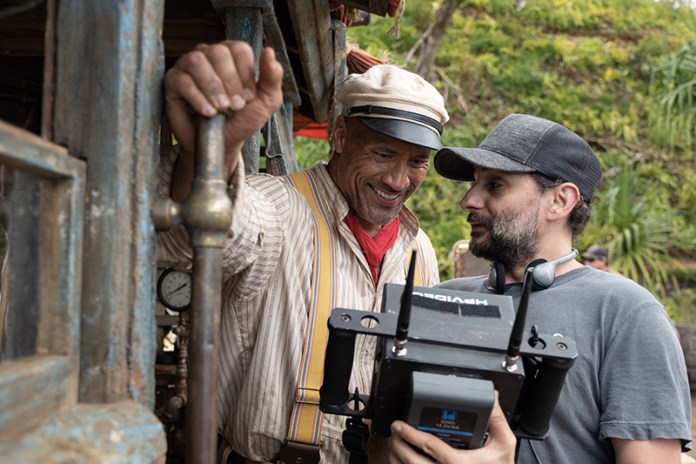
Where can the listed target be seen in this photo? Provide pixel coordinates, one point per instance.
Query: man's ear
(565, 197)
(340, 132)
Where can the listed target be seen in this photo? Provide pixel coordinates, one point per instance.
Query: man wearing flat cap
(626, 398)
(301, 245)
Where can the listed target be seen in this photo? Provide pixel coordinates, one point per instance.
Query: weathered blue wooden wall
(107, 113)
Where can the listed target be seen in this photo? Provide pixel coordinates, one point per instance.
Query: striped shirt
(267, 266)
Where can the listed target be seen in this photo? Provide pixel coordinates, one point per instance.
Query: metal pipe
(201, 416)
(207, 214)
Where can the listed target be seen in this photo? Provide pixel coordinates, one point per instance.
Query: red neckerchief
(374, 247)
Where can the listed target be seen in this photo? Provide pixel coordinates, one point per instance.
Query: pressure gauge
(174, 289)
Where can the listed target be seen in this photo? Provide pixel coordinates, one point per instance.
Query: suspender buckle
(293, 452)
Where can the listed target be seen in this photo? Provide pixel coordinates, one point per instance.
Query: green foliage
(618, 72)
(686, 194)
(680, 305)
(637, 233)
(310, 151)
(642, 228)
(435, 204)
(674, 86)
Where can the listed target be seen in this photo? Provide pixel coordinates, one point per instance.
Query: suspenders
(306, 419)
(304, 431)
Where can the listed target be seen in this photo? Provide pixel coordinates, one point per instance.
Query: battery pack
(455, 409)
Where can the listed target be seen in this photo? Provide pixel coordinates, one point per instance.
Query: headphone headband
(543, 272)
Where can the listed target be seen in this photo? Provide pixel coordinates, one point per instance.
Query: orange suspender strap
(418, 275)
(306, 418)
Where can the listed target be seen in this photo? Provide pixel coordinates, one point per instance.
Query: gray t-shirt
(629, 380)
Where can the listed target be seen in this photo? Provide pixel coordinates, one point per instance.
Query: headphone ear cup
(544, 272)
(496, 278)
(537, 283)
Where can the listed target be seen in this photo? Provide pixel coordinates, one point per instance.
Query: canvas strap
(306, 418)
(418, 276)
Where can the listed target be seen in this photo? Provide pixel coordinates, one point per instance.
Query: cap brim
(404, 130)
(459, 163)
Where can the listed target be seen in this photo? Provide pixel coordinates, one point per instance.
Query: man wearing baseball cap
(301, 245)
(596, 256)
(626, 398)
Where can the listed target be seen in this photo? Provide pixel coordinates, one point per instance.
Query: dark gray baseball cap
(525, 143)
(595, 252)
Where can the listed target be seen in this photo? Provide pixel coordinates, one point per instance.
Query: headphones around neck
(543, 273)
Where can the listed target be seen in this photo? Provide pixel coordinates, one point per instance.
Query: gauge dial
(174, 289)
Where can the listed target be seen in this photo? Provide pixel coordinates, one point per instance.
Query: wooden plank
(32, 389)
(246, 23)
(141, 345)
(280, 156)
(107, 113)
(120, 433)
(28, 152)
(340, 40)
(274, 37)
(20, 295)
(60, 272)
(311, 23)
(45, 237)
(271, 31)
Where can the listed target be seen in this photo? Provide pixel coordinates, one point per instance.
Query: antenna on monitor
(513, 349)
(405, 311)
